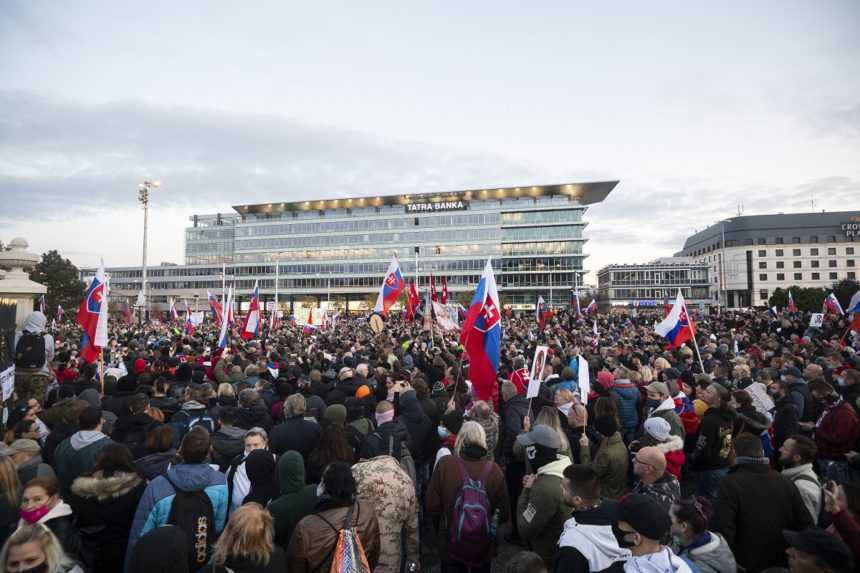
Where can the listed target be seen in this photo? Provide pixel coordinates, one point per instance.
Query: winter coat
(421, 430)
(315, 535)
(227, 443)
(541, 511)
(491, 431)
(673, 450)
(61, 521)
(662, 561)
(8, 518)
(76, 455)
(628, 400)
(156, 464)
(445, 485)
(610, 464)
(514, 411)
(297, 434)
(666, 410)
(848, 529)
(154, 507)
(754, 505)
(34, 467)
(391, 437)
(714, 556)
(389, 490)
(666, 490)
(255, 416)
(168, 406)
(807, 483)
(105, 508)
(241, 564)
(162, 550)
(132, 430)
(714, 443)
(296, 499)
(786, 420)
(836, 431)
(587, 543)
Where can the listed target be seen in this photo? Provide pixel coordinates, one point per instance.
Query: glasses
(640, 462)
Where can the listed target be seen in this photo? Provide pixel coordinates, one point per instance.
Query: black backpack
(30, 350)
(192, 512)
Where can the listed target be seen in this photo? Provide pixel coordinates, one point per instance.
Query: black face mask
(539, 456)
(619, 537)
(43, 568)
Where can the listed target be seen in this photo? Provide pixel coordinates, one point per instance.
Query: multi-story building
(339, 249)
(751, 256)
(650, 284)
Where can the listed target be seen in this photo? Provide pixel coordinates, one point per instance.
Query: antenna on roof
(740, 209)
(812, 199)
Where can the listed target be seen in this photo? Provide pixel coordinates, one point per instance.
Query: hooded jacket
(713, 445)
(420, 429)
(714, 556)
(35, 323)
(587, 543)
(296, 498)
(76, 455)
(629, 399)
(664, 561)
(154, 507)
(162, 550)
(611, 464)
(156, 464)
(61, 521)
(105, 508)
(666, 410)
(836, 430)
(673, 451)
(296, 433)
(227, 443)
(541, 511)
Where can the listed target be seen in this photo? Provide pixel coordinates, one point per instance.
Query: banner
(816, 320)
(444, 317)
(7, 381)
(536, 371)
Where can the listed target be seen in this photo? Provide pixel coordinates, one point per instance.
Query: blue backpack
(470, 538)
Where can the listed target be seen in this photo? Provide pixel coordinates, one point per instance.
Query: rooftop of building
(659, 262)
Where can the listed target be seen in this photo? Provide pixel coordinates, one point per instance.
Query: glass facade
(341, 248)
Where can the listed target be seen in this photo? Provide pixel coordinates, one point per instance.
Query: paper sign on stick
(537, 369)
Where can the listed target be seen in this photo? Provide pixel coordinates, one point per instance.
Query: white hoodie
(664, 561)
(60, 510)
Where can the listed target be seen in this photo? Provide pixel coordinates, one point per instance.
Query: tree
(807, 299)
(844, 290)
(62, 279)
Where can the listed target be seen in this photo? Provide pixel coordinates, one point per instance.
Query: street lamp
(143, 191)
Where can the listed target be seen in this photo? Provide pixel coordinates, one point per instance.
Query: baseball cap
(645, 515)
(542, 435)
(658, 428)
(823, 545)
(25, 445)
(658, 388)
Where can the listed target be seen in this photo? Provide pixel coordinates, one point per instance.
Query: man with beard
(786, 415)
(796, 457)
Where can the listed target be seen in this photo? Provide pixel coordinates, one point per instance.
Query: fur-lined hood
(673, 444)
(104, 488)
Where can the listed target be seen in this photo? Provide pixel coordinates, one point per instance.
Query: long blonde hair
(55, 558)
(10, 486)
(248, 533)
(470, 433)
(548, 416)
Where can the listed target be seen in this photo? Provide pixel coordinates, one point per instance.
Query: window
(762, 294)
(833, 276)
(780, 277)
(779, 240)
(798, 276)
(831, 263)
(762, 265)
(779, 252)
(780, 264)
(849, 262)
(813, 252)
(763, 278)
(851, 275)
(795, 240)
(813, 239)
(762, 253)
(831, 250)
(796, 264)
(815, 264)
(795, 252)
(849, 250)
(761, 241)
(816, 276)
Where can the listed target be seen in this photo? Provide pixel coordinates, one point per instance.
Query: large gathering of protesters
(346, 449)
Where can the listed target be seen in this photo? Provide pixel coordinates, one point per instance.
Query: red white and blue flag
(854, 307)
(433, 295)
(791, 306)
(174, 314)
(92, 308)
(61, 314)
(252, 319)
(412, 301)
(224, 337)
(677, 328)
(574, 303)
(482, 335)
(214, 306)
(595, 339)
(831, 303)
(592, 307)
(540, 312)
(444, 290)
(392, 286)
(189, 325)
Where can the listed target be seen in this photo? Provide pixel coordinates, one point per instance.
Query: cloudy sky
(697, 107)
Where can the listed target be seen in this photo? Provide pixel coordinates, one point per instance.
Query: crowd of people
(343, 449)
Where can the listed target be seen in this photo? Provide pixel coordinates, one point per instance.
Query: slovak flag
(90, 312)
(174, 315)
(678, 327)
(595, 339)
(831, 303)
(189, 326)
(574, 303)
(854, 307)
(433, 296)
(540, 312)
(252, 319)
(444, 290)
(774, 313)
(214, 306)
(391, 288)
(482, 335)
(61, 314)
(412, 301)
(592, 306)
(791, 306)
(224, 336)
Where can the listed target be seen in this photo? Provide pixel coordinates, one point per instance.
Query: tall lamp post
(143, 191)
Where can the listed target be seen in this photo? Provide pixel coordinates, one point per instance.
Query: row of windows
(832, 263)
(658, 293)
(409, 237)
(209, 234)
(542, 217)
(813, 252)
(813, 276)
(717, 245)
(541, 248)
(485, 249)
(653, 277)
(542, 233)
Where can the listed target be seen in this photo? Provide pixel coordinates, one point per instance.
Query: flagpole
(695, 342)
(277, 280)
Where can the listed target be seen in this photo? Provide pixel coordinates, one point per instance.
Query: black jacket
(277, 564)
(580, 531)
(297, 434)
(514, 412)
(169, 406)
(227, 443)
(754, 505)
(389, 437)
(255, 416)
(132, 430)
(421, 431)
(714, 442)
(786, 420)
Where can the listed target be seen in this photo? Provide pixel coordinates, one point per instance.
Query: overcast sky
(696, 107)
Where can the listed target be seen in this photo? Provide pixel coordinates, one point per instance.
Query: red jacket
(520, 378)
(836, 430)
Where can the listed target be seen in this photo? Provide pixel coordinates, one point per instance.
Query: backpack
(181, 427)
(348, 555)
(469, 536)
(192, 512)
(399, 452)
(30, 350)
(823, 516)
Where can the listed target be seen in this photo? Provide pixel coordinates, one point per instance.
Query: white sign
(816, 320)
(7, 380)
(197, 318)
(537, 368)
(584, 380)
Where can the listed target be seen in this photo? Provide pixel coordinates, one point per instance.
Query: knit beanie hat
(606, 425)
